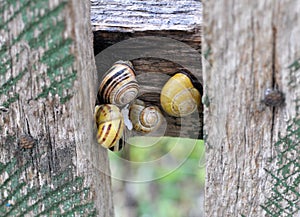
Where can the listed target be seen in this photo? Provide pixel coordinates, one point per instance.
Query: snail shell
(110, 126)
(145, 118)
(26, 141)
(273, 97)
(119, 85)
(179, 97)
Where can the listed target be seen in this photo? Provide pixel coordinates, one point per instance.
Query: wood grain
(139, 15)
(48, 91)
(250, 46)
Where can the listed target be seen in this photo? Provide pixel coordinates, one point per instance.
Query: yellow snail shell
(179, 97)
(145, 118)
(119, 85)
(110, 126)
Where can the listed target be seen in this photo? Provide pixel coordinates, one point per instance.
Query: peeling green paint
(40, 21)
(23, 6)
(295, 65)
(11, 82)
(43, 40)
(285, 197)
(207, 53)
(294, 80)
(48, 35)
(65, 197)
(44, 28)
(11, 100)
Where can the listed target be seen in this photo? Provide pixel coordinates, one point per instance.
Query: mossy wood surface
(47, 96)
(253, 151)
(117, 21)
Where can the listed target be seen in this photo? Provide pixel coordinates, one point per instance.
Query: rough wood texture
(48, 90)
(139, 15)
(249, 46)
(180, 20)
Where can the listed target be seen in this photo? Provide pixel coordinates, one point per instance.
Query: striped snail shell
(119, 85)
(145, 118)
(179, 97)
(26, 141)
(110, 126)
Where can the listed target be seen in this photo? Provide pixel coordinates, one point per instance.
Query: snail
(179, 97)
(110, 126)
(119, 85)
(273, 97)
(26, 141)
(144, 118)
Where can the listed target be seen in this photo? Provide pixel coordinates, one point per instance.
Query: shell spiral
(119, 85)
(145, 118)
(110, 125)
(179, 97)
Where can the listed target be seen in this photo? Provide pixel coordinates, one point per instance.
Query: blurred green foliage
(176, 190)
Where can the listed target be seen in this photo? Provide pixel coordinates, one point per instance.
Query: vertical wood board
(48, 89)
(248, 48)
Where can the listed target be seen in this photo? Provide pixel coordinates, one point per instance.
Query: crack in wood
(237, 188)
(274, 83)
(274, 56)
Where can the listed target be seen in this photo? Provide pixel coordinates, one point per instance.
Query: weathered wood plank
(48, 92)
(139, 15)
(249, 46)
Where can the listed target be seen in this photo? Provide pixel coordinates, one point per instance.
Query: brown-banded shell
(179, 97)
(119, 85)
(110, 126)
(145, 118)
(26, 141)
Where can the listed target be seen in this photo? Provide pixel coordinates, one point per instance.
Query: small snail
(119, 85)
(179, 97)
(273, 97)
(110, 126)
(144, 118)
(26, 141)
